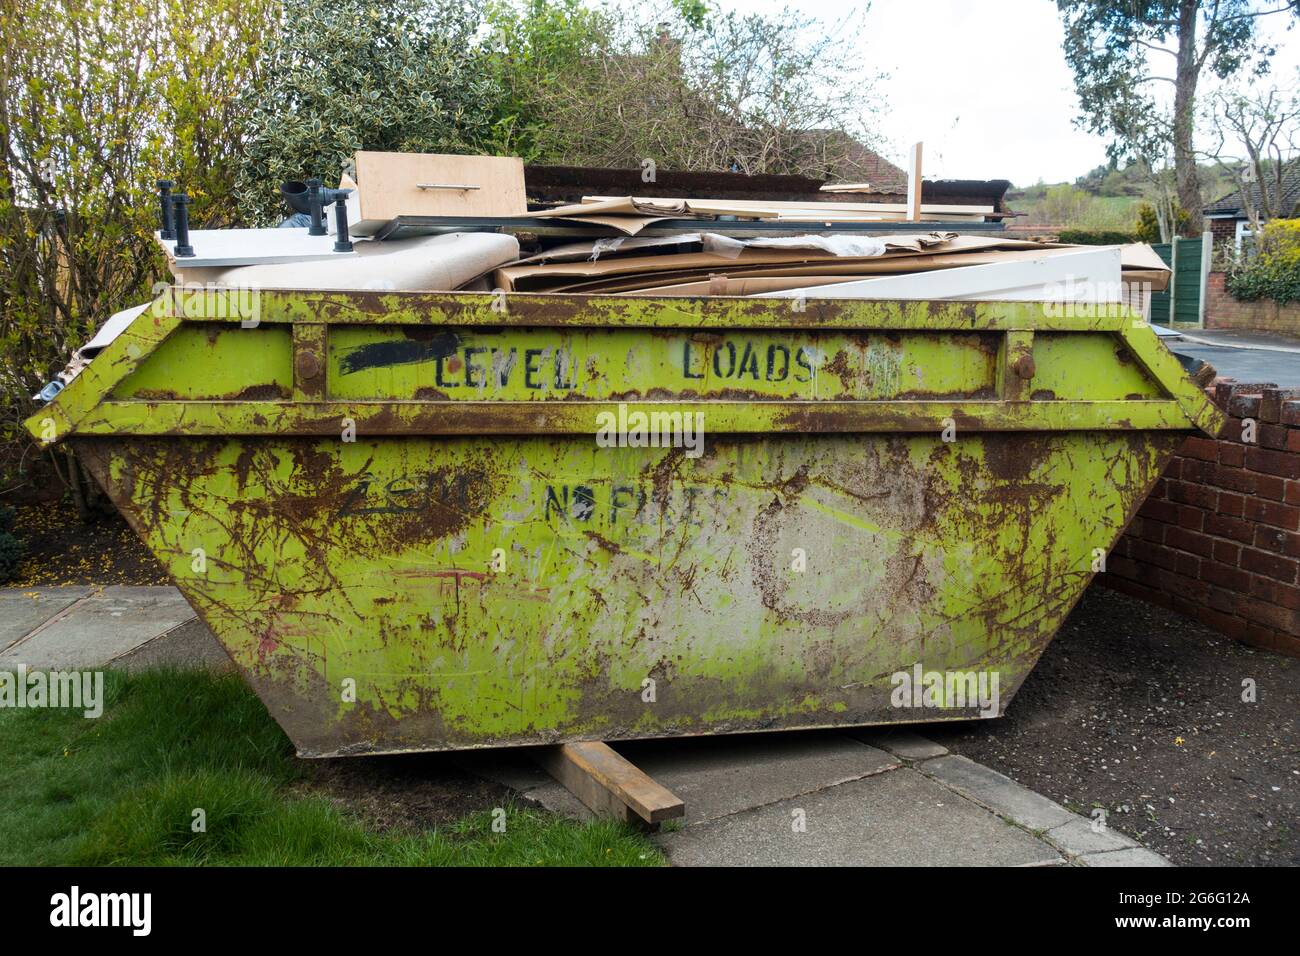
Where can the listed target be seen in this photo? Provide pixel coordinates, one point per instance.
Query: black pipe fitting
(181, 209)
(168, 227)
(342, 243)
(312, 197)
(316, 204)
(294, 192)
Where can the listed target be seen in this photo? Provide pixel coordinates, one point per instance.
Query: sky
(982, 83)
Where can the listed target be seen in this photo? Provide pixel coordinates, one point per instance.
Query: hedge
(1274, 272)
(1097, 237)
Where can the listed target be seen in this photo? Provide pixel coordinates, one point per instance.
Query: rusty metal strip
(559, 418)
(1161, 365)
(1017, 366)
(82, 407)
(309, 361)
(596, 311)
(119, 359)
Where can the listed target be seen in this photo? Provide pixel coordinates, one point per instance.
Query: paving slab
(1132, 856)
(716, 776)
(192, 644)
(1078, 838)
(22, 610)
(999, 793)
(900, 743)
(105, 625)
(896, 818)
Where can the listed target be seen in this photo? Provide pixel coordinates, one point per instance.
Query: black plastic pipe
(181, 208)
(168, 228)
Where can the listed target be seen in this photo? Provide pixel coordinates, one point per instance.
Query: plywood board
(436, 184)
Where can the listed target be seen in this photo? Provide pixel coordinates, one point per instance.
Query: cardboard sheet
(536, 276)
(639, 268)
(1082, 274)
(622, 206)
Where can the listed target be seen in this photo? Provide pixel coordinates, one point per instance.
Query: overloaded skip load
(442, 520)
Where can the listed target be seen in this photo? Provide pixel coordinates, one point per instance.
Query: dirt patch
(62, 549)
(406, 793)
(1139, 711)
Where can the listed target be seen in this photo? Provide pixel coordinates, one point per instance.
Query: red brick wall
(1224, 230)
(1222, 311)
(1219, 538)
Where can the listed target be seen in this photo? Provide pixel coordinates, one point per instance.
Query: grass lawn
(122, 789)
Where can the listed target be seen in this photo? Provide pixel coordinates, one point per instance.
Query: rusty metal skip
(394, 512)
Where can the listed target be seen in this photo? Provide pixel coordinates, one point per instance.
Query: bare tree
(1258, 137)
(1121, 51)
(749, 92)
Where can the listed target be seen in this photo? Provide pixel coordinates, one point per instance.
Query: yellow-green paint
(198, 360)
(473, 569)
(543, 364)
(1068, 366)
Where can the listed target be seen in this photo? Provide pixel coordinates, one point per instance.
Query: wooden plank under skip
(608, 784)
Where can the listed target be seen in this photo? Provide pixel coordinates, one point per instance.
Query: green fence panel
(1185, 286)
(1160, 300)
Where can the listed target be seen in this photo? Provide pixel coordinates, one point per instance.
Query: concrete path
(817, 798)
(829, 798)
(71, 628)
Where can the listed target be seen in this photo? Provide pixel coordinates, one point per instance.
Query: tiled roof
(849, 160)
(1233, 204)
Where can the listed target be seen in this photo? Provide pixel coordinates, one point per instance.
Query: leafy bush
(11, 553)
(1097, 237)
(348, 75)
(1148, 224)
(1274, 272)
(99, 100)
(535, 47)
(1068, 207)
(684, 85)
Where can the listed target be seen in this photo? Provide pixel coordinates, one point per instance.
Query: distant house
(1229, 218)
(844, 158)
